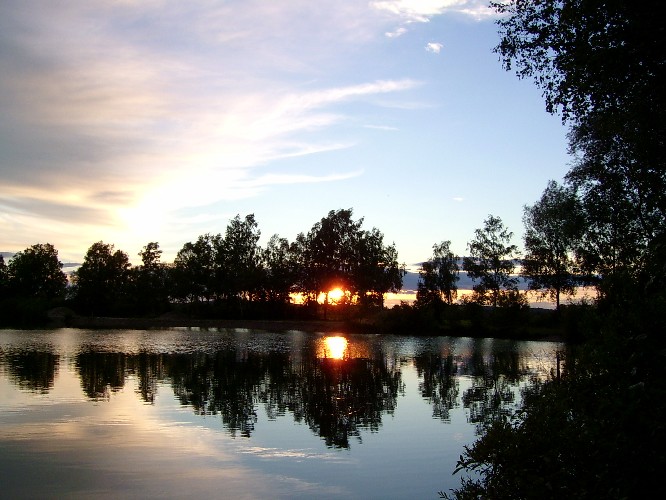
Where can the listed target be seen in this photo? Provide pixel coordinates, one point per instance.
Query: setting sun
(336, 294)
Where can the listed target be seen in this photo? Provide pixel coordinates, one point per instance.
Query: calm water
(242, 414)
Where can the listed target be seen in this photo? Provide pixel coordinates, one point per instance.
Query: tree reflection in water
(339, 397)
(34, 371)
(439, 384)
(101, 373)
(336, 397)
(495, 378)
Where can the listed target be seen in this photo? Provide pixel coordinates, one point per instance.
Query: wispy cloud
(423, 10)
(116, 109)
(434, 47)
(396, 33)
(381, 127)
(276, 179)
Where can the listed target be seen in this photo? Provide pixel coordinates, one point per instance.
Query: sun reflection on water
(333, 347)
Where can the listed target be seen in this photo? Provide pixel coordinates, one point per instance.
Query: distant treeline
(231, 276)
(230, 271)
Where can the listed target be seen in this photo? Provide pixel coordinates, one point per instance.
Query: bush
(598, 432)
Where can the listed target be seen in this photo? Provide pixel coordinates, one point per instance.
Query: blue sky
(155, 120)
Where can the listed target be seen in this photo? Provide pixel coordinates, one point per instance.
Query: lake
(248, 414)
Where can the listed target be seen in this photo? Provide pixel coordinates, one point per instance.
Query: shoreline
(312, 326)
(333, 326)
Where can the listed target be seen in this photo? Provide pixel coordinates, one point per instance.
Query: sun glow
(336, 294)
(334, 347)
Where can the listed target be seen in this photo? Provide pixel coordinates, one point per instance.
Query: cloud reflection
(123, 447)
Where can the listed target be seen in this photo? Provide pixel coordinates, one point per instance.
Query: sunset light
(341, 248)
(174, 143)
(334, 347)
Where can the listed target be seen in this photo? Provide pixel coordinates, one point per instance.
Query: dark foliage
(438, 278)
(597, 432)
(553, 230)
(101, 284)
(31, 284)
(491, 263)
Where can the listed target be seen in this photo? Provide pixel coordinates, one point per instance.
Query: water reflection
(333, 347)
(33, 371)
(439, 383)
(101, 373)
(337, 399)
(336, 386)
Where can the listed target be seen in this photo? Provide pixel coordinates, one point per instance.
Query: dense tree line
(230, 272)
(551, 263)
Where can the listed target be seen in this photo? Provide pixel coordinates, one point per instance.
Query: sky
(156, 120)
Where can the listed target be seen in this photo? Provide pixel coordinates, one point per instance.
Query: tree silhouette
(195, 269)
(438, 277)
(331, 253)
(4, 278)
(36, 272)
(338, 253)
(101, 283)
(279, 270)
(601, 66)
(238, 260)
(151, 280)
(491, 261)
(377, 271)
(553, 230)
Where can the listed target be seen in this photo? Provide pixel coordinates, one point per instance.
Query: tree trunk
(326, 305)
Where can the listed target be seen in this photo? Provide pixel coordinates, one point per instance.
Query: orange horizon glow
(334, 296)
(408, 297)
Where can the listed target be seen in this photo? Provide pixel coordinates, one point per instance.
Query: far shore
(62, 317)
(322, 326)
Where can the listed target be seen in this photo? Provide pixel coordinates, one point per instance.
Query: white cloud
(150, 98)
(434, 47)
(275, 179)
(408, 12)
(478, 11)
(381, 127)
(319, 98)
(119, 110)
(421, 11)
(396, 33)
